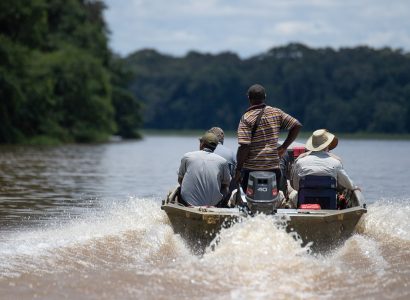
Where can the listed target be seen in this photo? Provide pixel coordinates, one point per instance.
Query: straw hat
(320, 140)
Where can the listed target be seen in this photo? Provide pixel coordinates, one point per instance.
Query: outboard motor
(262, 193)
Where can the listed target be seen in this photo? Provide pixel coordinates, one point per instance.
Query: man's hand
(293, 133)
(281, 150)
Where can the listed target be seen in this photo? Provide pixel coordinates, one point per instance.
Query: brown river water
(84, 222)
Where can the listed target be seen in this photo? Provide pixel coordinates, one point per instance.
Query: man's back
(320, 163)
(203, 173)
(263, 152)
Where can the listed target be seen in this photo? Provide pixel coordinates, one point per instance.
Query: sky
(251, 27)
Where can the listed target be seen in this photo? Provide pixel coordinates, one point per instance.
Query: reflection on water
(83, 222)
(41, 182)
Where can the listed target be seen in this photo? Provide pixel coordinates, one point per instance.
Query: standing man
(203, 175)
(258, 134)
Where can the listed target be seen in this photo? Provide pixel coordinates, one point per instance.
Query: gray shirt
(321, 163)
(229, 155)
(203, 174)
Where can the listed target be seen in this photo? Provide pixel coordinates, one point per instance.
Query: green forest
(61, 83)
(350, 90)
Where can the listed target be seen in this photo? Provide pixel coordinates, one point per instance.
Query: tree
(345, 90)
(55, 74)
(127, 108)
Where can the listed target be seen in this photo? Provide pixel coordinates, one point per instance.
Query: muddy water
(83, 222)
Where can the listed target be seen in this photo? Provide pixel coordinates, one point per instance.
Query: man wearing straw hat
(319, 161)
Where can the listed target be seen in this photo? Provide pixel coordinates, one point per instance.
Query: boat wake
(388, 221)
(132, 232)
(132, 244)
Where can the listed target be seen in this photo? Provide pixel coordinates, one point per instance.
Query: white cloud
(295, 28)
(250, 27)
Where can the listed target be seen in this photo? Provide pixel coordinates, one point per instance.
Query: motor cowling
(262, 192)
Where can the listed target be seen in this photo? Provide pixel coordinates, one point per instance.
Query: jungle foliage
(59, 82)
(58, 79)
(346, 90)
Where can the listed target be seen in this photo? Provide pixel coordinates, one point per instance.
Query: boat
(321, 229)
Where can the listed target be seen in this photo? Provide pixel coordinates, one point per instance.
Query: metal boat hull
(324, 228)
(199, 225)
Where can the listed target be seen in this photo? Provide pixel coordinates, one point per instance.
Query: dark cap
(209, 139)
(256, 92)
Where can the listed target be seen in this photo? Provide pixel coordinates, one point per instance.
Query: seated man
(320, 162)
(224, 151)
(230, 157)
(203, 175)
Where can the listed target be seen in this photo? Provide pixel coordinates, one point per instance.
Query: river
(84, 222)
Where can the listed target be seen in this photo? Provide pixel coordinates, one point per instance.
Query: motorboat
(319, 219)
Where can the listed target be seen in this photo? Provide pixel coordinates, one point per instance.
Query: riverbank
(304, 134)
(50, 141)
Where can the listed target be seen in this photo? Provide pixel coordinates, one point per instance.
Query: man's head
(256, 94)
(208, 140)
(321, 139)
(219, 133)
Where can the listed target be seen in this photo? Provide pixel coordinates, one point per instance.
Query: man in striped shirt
(258, 141)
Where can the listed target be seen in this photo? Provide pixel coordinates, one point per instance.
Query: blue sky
(254, 26)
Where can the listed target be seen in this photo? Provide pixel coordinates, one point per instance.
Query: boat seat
(318, 190)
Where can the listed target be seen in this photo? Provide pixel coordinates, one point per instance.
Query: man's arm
(225, 180)
(344, 180)
(182, 169)
(294, 176)
(241, 157)
(293, 133)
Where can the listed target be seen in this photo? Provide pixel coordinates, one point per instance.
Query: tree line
(58, 79)
(60, 82)
(348, 90)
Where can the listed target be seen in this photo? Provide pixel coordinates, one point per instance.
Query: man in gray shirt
(203, 175)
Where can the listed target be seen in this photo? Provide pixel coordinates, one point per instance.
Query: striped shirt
(263, 153)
